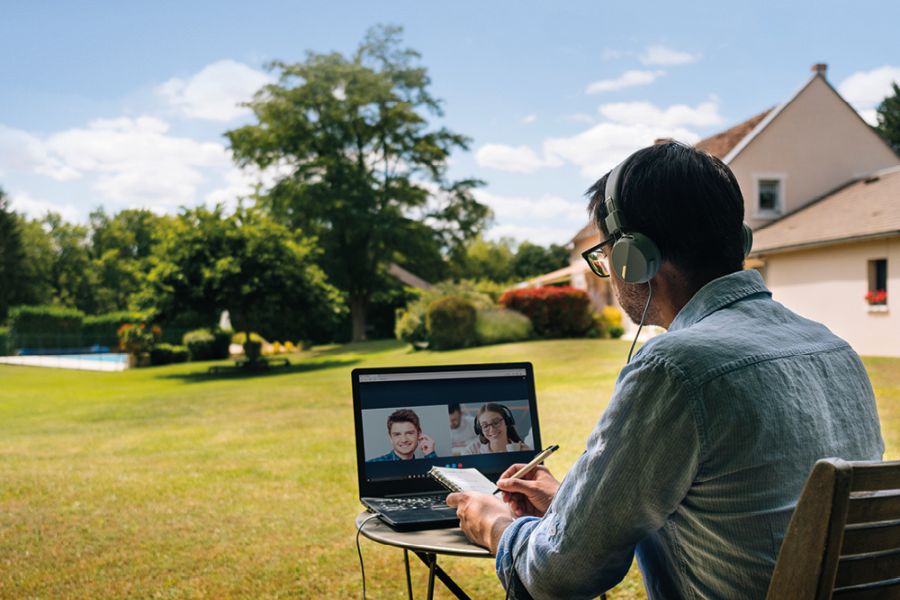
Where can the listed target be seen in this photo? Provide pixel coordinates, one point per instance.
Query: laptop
(410, 419)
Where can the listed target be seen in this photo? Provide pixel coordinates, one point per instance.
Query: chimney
(820, 69)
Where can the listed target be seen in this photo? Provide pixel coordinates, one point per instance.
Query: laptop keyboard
(414, 502)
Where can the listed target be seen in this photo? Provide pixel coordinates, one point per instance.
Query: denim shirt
(698, 462)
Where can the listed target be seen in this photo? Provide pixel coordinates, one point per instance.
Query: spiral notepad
(462, 480)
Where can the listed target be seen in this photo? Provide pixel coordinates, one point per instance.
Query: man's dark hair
(687, 201)
(403, 415)
(452, 408)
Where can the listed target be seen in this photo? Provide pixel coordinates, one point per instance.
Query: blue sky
(124, 104)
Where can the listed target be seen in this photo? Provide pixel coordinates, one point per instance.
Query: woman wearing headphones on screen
(496, 431)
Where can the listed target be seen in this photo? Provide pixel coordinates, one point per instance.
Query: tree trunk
(359, 305)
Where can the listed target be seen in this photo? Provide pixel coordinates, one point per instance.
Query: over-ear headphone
(634, 256)
(504, 411)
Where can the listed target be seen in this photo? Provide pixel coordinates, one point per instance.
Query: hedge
(554, 311)
(5, 346)
(496, 326)
(102, 329)
(45, 327)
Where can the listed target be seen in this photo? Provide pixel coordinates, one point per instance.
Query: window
(769, 196)
(877, 294)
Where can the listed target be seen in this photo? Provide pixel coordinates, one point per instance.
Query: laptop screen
(410, 419)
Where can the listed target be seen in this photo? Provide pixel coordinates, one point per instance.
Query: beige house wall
(815, 144)
(828, 284)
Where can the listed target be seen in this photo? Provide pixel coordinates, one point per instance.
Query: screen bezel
(412, 486)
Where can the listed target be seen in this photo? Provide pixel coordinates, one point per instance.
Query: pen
(534, 462)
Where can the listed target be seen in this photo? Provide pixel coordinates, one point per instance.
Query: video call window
(443, 430)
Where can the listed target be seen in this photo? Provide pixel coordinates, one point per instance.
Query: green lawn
(166, 483)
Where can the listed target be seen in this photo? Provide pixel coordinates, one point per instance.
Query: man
(712, 429)
(462, 428)
(406, 438)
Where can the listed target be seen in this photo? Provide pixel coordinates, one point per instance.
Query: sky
(124, 105)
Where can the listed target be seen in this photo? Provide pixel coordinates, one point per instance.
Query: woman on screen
(496, 431)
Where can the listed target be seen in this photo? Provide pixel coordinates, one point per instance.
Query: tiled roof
(865, 208)
(720, 144)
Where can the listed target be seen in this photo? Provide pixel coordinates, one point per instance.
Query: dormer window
(769, 195)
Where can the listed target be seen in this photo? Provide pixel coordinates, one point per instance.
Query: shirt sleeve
(639, 463)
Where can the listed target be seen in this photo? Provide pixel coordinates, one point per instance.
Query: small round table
(426, 544)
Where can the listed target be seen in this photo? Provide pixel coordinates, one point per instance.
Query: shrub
(554, 311)
(45, 327)
(607, 323)
(410, 327)
(241, 337)
(166, 354)
(616, 331)
(5, 346)
(137, 339)
(205, 344)
(450, 323)
(103, 329)
(495, 326)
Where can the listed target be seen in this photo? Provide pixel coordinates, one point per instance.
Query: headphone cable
(362, 569)
(643, 317)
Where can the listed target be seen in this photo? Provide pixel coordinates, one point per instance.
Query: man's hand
(532, 494)
(426, 443)
(482, 517)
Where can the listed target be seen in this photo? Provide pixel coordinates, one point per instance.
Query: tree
(484, 259)
(362, 170)
(12, 258)
(120, 251)
(889, 119)
(258, 270)
(532, 260)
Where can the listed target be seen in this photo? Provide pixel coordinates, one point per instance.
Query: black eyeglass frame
(594, 268)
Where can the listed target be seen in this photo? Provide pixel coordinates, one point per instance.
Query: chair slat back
(843, 540)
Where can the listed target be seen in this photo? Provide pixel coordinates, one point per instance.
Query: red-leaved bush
(554, 311)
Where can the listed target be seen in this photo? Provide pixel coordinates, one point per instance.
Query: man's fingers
(454, 499)
(522, 486)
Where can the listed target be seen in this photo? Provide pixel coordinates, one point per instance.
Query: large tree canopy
(360, 167)
(258, 270)
(12, 258)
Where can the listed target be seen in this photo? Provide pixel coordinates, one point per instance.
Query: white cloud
(517, 159)
(529, 119)
(580, 118)
(604, 145)
(537, 234)
(22, 151)
(645, 113)
(866, 89)
(661, 55)
(870, 116)
(531, 209)
(136, 161)
(36, 208)
(215, 92)
(628, 126)
(625, 80)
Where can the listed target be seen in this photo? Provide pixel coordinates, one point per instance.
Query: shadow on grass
(201, 376)
(358, 348)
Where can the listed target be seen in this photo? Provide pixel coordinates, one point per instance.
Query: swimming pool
(113, 361)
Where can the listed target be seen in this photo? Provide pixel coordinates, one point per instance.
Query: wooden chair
(843, 541)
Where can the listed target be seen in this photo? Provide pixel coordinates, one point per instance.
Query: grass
(168, 483)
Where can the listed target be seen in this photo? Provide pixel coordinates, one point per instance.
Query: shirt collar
(718, 294)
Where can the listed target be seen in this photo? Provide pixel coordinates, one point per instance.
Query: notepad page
(469, 480)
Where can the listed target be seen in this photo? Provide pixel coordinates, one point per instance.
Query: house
(822, 193)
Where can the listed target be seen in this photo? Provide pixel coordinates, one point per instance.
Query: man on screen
(407, 438)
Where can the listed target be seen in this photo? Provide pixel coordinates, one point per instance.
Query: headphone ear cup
(635, 258)
(747, 235)
(477, 427)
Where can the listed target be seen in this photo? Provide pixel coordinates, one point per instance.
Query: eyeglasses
(596, 258)
(495, 424)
